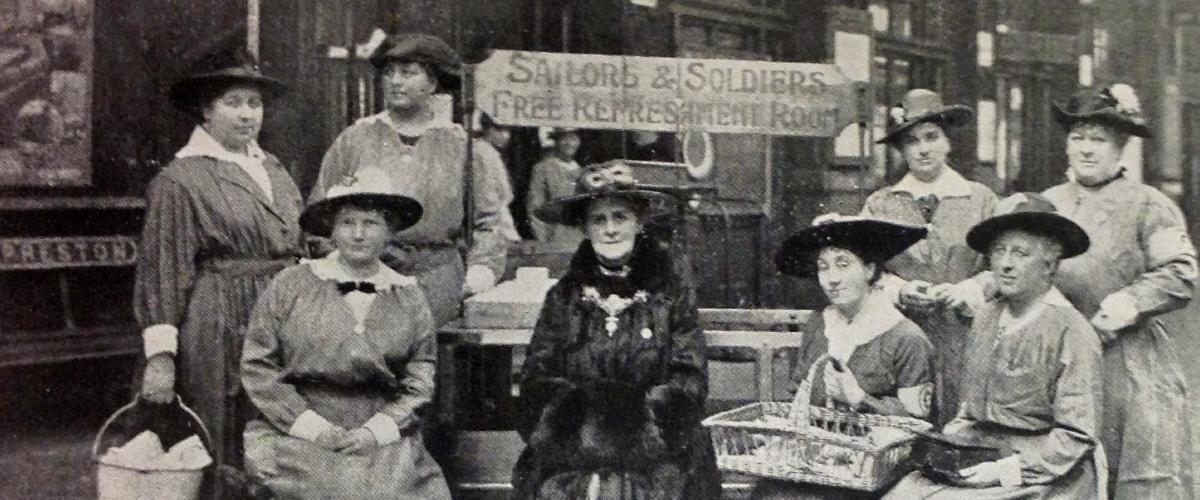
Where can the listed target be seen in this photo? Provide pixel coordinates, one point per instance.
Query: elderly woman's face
(1022, 263)
(612, 224)
(925, 147)
(360, 235)
(235, 117)
(843, 276)
(407, 86)
(1093, 153)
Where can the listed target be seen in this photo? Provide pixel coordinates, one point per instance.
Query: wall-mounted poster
(46, 49)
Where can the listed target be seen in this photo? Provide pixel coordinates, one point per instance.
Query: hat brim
(185, 92)
(569, 210)
(1073, 238)
(955, 115)
(1106, 116)
(317, 219)
(872, 240)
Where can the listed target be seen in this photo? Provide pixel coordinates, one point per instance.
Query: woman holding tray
(878, 361)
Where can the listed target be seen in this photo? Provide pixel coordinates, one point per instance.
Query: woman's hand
(1004, 472)
(357, 441)
(158, 381)
(332, 438)
(842, 386)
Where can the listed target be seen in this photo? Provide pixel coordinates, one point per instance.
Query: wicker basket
(809, 444)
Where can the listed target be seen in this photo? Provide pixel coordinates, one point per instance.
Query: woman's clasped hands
(349, 441)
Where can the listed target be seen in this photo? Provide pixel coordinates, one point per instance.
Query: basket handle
(129, 406)
(798, 414)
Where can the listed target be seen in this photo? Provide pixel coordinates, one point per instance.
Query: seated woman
(1032, 384)
(880, 361)
(615, 379)
(340, 356)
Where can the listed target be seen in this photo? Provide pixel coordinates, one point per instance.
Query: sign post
(666, 94)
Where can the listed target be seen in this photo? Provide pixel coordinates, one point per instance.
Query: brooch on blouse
(614, 305)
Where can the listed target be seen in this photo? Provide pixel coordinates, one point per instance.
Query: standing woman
(340, 358)
(554, 177)
(934, 195)
(221, 219)
(1141, 264)
(422, 152)
(878, 361)
(615, 379)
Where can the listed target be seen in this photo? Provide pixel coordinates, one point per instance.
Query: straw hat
(920, 106)
(368, 188)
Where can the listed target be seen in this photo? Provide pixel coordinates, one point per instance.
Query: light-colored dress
(552, 178)
(1140, 247)
(212, 239)
(1032, 388)
(315, 357)
(429, 169)
(948, 208)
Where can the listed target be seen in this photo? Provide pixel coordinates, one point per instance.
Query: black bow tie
(350, 286)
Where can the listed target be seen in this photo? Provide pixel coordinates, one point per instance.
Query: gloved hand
(843, 386)
(1004, 472)
(357, 441)
(1117, 312)
(966, 296)
(158, 381)
(480, 278)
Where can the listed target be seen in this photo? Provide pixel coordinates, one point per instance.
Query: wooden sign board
(63, 252)
(666, 94)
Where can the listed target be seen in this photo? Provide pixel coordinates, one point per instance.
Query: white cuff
(160, 338)
(384, 427)
(1010, 474)
(1120, 306)
(309, 425)
(971, 292)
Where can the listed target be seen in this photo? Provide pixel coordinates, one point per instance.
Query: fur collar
(651, 269)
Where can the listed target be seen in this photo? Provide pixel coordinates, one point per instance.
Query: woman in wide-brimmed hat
(1142, 265)
(1031, 387)
(614, 382)
(221, 219)
(423, 152)
(931, 194)
(340, 356)
(551, 178)
(878, 360)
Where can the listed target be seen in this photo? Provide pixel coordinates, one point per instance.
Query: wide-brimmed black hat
(919, 106)
(368, 188)
(223, 65)
(1115, 106)
(1033, 213)
(873, 240)
(421, 48)
(611, 179)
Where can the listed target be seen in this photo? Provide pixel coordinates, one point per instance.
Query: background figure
(340, 359)
(423, 153)
(615, 379)
(554, 177)
(221, 219)
(876, 360)
(495, 138)
(934, 195)
(1031, 387)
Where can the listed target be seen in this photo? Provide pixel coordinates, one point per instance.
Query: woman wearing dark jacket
(614, 383)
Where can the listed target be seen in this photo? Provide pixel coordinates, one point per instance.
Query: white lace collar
(202, 143)
(328, 268)
(949, 184)
(844, 335)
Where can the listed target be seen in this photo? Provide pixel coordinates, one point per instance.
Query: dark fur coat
(611, 403)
